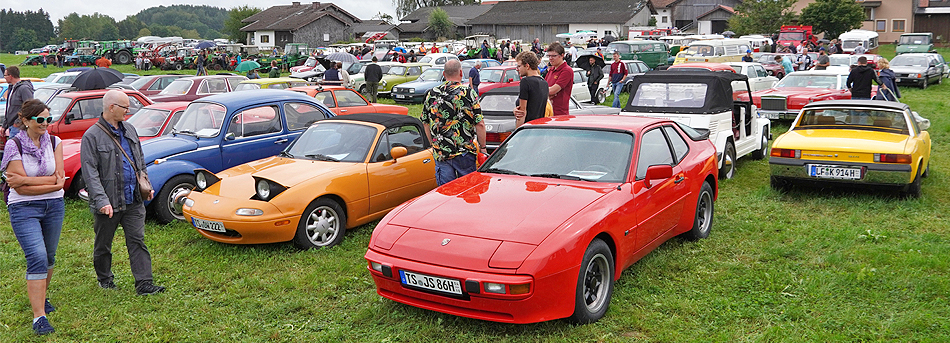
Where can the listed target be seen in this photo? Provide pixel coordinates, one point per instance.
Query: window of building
(608, 33)
(664, 19)
(868, 13)
(265, 39)
(880, 26)
(898, 25)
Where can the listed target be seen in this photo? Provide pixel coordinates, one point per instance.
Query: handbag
(141, 177)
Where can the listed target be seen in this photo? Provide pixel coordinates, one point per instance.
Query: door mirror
(922, 123)
(397, 152)
(657, 172)
(229, 136)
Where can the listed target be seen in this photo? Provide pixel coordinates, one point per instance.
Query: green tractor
(294, 54)
(120, 52)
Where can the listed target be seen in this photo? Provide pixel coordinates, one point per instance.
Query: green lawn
(816, 265)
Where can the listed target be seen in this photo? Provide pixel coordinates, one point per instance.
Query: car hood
(908, 69)
(792, 92)
(166, 146)
(238, 182)
(420, 84)
(843, 140)
(522, 209)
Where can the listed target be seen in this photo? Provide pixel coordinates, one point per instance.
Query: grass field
(815, 265)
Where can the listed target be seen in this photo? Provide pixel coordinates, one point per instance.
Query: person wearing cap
(823, 60)
(748, 56)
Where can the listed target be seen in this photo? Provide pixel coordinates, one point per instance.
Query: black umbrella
(97, 78)
(583, 61)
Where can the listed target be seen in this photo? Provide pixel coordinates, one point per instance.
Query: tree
(440, 24)
(833, 17)
(404, 7)
(36, 22)
(144, 32)
(761, 16)
(385, 17)
(233, 25)
(129, 27)
(23, 39)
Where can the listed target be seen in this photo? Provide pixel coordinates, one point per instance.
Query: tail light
(892, 158)
(787, 153)
(496, 136)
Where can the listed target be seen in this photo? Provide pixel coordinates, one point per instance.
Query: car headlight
(204, 179)
(412, 90)
(266, 189)
(383, 83)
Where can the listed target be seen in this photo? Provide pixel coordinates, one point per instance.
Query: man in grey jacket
(114, 197)
(20, 91)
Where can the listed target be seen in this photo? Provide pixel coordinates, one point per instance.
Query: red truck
(794, 35)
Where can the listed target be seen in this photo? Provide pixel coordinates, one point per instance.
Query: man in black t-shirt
(533, 96)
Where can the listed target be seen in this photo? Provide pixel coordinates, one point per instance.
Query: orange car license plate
(433, 283)
(207, 225)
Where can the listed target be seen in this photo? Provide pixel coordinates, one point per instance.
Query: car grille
(773, 104)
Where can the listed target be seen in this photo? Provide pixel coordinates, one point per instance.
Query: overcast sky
(58, 9)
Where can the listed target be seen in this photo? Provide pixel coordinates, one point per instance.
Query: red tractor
(794, 35)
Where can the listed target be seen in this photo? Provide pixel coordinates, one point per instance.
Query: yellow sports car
(863, 142)
(341, 173)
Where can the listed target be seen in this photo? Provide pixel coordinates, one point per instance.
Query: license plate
(207, 225)
(771, 115)
(433, 283)
(834, 172)
(398, 96)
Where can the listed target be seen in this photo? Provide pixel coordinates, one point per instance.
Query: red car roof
(98, 92)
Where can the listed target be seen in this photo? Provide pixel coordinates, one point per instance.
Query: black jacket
(373, 73)
(859, 81)
(595, 75)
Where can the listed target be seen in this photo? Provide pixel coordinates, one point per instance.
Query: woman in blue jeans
(34, 172)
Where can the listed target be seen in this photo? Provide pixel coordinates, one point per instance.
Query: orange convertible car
(341, 173)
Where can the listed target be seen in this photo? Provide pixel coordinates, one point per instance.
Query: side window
(91, 108)
(382, 149)
(720, 51)
(203, 88)
(413, 71)
(255, 121)
(511, 75)
(441, 60)
(578, 77)
(654, 150)
(659, 48)
(134, 105)
(680, 148)
(301, 115)
(407, 136)
(326, 98)
(234, 81)
(217, 86)
(348, 98)
(750, 72)
(760, 71)
(172, 122)
(158, 85)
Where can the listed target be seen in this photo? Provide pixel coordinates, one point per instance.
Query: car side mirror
(229, 136)
(657, 172)
(398, 152)
(511, 80)
(922, 123)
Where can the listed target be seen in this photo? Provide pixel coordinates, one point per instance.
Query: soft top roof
(384, 119)
(718, 89)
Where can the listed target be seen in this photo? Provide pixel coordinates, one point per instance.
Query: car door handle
(281, 141)
(426, 160)
(680, 179)
(342, 110)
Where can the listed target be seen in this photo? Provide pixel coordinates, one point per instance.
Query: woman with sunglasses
(33, 168)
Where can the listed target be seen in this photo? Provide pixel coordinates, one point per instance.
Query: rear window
(670, 95)
(853, 119)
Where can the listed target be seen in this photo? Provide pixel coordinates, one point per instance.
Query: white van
(758, 41)
(868, 39)
(720, 50)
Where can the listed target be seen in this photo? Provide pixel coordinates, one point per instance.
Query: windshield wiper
(558, 176)
(502, 171)
(285, 154)
(322, 157)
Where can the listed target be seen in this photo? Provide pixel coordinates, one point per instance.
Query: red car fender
(71, 161)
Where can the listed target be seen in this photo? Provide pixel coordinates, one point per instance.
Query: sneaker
(107, 284)
(49, 307)
(42, 327)
(148, 288)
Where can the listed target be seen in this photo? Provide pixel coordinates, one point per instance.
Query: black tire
(179, 66)
(164, 208)
(779, 184)
(703, 219)
(77, 185)
(940, 79)
(123, 57)
(923, 85)
(926, 171)
(728, 169)
(595, 284)
(913, 189)
(322, 224)
(760, 154)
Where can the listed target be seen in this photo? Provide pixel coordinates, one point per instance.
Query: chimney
(296, 3)
(316, 4)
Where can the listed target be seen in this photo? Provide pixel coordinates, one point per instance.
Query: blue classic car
(220, 132)
(415, 91)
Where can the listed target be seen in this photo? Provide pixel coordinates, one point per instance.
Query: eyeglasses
(40, 120)
(126, 108)
(553, 55)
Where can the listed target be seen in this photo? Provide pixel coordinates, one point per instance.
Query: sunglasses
(40, 120)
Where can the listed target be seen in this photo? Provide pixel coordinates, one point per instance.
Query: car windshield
(854, 119)
(58, 106)
(916, 40)
(311, 61)
(43, 93)
(247, 86)
(701, 50)
(334, 141)
(140, 82)
(490, 75)
(793, 36)
(670, 95)
(396, 70)
(564, 153)
(910, 61)
(201, 119)
(851, 44)
(427, 59)
(810, 81)
(52, 77)
(839, 60)
(148, 121)
(499, 103)
(431, 74)
(177, 87)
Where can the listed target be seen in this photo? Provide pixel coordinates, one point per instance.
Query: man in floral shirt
(453, 119)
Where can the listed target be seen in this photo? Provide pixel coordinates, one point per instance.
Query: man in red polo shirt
(560, 79)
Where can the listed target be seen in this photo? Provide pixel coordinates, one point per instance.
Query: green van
(653, 53)
(915, 42)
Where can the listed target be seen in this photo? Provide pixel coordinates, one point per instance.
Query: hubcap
(595, 283)
(704, 212)
(173, 205)
(729, 165)
(322, 226)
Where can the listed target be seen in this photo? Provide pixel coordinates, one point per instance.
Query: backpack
(4, 187)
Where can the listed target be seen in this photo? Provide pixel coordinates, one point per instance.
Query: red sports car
(543, 229)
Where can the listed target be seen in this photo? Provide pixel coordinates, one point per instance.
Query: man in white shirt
(573, 51)
(860, 49)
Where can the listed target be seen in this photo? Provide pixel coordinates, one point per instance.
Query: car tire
(913, 189)
(595, 284)
(601, 96)
(728, 169)
(940, 79)
(703, 219)
(926, 171)
(77, 185)
(923, 85)
(322, 224)
(165, 209)
(779, 184)
(760, 154)
(179, 66)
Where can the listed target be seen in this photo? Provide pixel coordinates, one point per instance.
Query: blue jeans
(456, 167)
(37, 225)
(618, 86)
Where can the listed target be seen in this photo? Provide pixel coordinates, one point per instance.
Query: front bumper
(408, 97)
(874, 173)
(908, 81)
(271, 227)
